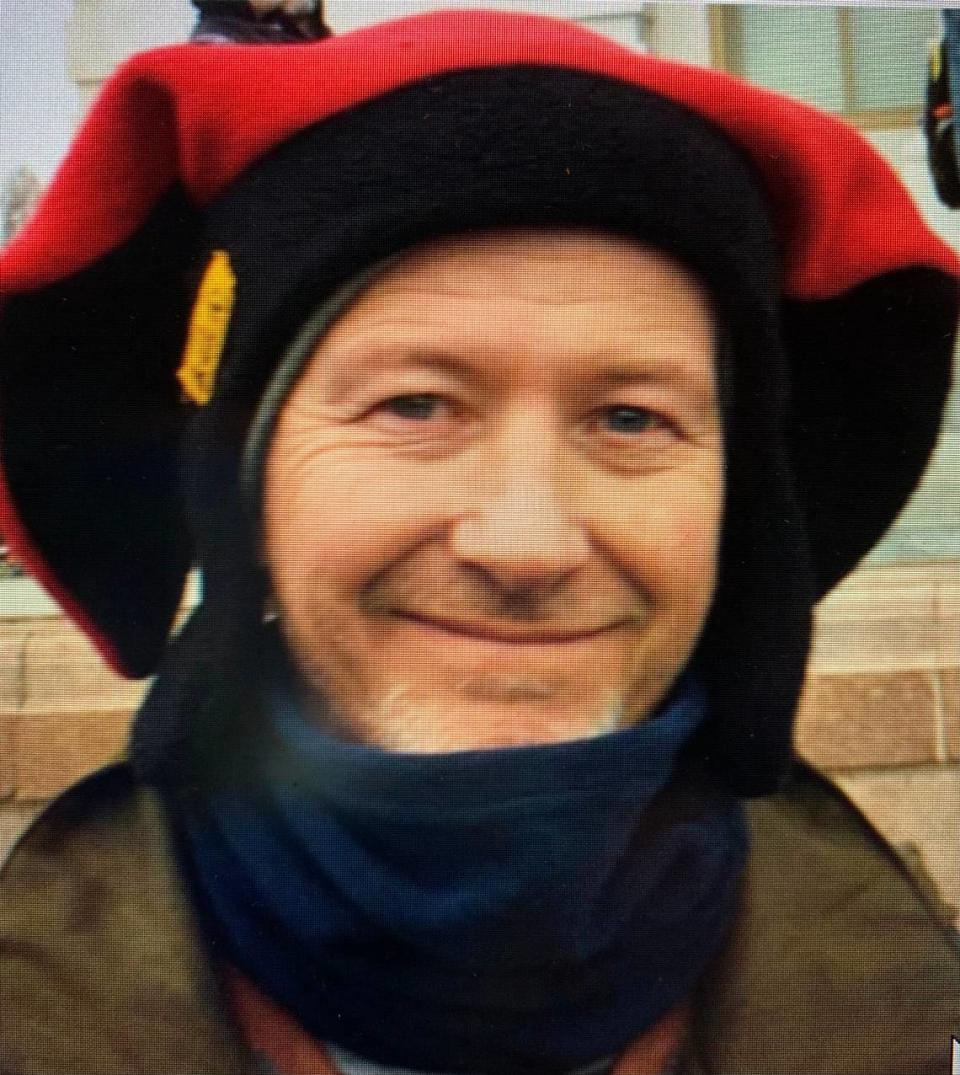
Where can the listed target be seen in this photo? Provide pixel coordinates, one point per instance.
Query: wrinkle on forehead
(447, 264)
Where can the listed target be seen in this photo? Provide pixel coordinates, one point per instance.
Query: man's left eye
(414, 406)
(629, 420)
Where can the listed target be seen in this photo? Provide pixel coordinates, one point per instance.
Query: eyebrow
(619, 376)
(339, 382)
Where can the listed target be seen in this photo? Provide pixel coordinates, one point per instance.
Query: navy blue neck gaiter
(526, 910)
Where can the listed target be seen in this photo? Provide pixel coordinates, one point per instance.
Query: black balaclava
(466, 151)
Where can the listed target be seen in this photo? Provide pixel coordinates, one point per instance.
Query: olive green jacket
(840, 963)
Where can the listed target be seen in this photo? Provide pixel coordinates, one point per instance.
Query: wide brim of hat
(97, 292)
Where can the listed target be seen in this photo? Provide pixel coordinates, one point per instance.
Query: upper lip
(517, 634)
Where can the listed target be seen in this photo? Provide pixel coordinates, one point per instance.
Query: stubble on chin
(467, 712)
(484, 717)
(426, 704)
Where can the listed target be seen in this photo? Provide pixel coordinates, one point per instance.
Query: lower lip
(478, 636)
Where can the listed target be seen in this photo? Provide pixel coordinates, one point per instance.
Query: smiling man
(517, 396)
(508, 457)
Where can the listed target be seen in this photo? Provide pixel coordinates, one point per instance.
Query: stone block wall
(881, 708)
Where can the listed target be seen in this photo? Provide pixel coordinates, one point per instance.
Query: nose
(518, 529)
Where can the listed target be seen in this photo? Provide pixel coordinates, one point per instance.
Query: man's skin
(494, 498)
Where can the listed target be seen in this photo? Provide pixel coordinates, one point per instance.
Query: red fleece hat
(97, 290)
(199, 118)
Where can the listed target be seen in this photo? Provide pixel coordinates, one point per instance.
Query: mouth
(518, 636)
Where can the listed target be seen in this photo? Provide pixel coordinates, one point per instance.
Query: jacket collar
(839, 962)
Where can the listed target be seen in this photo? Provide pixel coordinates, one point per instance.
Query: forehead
(560, 265)
(621, 260)
(563, 299)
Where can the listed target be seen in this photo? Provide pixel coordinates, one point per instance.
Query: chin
(491, 715)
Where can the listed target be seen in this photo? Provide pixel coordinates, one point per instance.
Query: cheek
(665, 535)
(696, 541)
(341, 517)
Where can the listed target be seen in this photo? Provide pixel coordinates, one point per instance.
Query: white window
(866, 63)
(629, 28)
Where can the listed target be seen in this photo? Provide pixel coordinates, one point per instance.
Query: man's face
(493, 499)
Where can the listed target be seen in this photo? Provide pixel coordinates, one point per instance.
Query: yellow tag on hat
(208, 328)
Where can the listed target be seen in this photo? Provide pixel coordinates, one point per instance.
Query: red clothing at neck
(271, 1031)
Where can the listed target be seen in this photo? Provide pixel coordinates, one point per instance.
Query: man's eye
(414, 406)
(629, 421)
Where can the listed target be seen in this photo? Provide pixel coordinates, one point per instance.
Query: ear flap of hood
(90, 428)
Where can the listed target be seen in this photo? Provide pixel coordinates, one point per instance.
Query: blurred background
(882, 707)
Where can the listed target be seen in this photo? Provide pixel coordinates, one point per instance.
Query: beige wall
(102, 33)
